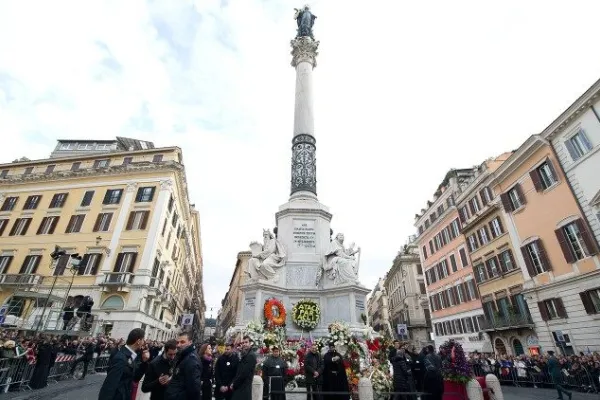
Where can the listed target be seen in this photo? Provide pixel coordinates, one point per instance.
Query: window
(32, 202)
(30, 265)
(486, 195)
(483, 236)
(496, 227)
(28, 170)
(137, 220)
(171, 202)
(75, 166)
(590, 300)
(453, 263)
(463, 214)
(3, 225)
(9, 204)
(20, 227)
(85, 146)
(47, 226)
(103, 222)
(112, 196)
(473, 245)
(157, 158)
(480, 275)
(422, 289)
(552, 309)
(58, 200)
(424, 249)
(463, 257)
(174, 220)
(145, 194)
(87, 198)
(460, 296)
(67, 146)
(419, 269)
(492, 268)
(75, 223)
(127, 160)
(578, 145)
(535, 258)
(103, 146)
(5, 262)
(4, 174)
(101, 163)
(575, 241)
(543, 176)
(507, 261)
(90, 264)
(471, 290)
(50, 168)
(125, 262)
(515, 199)
(455, 228)
(164, 228)
(474, 204)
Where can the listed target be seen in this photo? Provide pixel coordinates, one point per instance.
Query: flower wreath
(268, 310)
(306, 314)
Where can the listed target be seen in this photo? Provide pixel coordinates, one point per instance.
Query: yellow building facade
(122, 206)
(231, 305)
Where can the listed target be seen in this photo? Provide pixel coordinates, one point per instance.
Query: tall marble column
(304, 167)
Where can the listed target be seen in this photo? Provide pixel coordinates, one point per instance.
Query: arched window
(113, 303)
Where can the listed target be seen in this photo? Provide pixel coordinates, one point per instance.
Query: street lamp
(75, 263)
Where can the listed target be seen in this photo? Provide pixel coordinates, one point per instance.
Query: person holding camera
(159, 372)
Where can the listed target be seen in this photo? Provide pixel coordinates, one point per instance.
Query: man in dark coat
(334, 375)
(123, 368)
(402, 374)
(433, 381)
(159, 372)
(225, 370)
(313, 370)
(242, 383)
(187, 375)
(273, 374)
(87, 348)
(555, 371)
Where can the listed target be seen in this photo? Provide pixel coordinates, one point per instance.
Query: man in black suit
(187, 375)
(159, 372)
(123, 368)
(242, 383)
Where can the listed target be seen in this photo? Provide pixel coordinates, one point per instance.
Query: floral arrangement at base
(274, 312)
(455, 367)
(306, 314)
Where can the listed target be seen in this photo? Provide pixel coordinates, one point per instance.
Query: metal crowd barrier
(15, 373)
(584, 380)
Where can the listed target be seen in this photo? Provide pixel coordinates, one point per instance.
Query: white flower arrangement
(306, 314)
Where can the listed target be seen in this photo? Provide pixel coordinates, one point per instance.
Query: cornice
(524, 152)
(287, 211)
(442, 199)
(91, 156)
(582, 104)
(117, 170)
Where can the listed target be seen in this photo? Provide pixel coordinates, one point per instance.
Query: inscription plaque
(305, 236)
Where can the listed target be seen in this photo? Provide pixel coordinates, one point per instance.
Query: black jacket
(159, 366)
(242, 383)
(187, 377)
(225, 370)
(313, 363)
(122, 371)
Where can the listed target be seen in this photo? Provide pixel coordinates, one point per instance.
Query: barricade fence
(583, 380)
(15, 373)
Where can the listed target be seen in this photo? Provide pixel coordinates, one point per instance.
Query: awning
(35, 295)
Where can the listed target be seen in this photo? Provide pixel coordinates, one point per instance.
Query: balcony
(155, 289)
(501, 323)
(24, 281)
(121, 281)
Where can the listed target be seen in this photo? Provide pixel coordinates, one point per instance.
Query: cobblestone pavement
(88, 390)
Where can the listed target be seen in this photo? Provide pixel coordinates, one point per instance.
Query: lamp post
(56, 255)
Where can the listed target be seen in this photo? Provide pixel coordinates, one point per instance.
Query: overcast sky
(404, 91)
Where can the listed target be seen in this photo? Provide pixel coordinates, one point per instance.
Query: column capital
(304, 49)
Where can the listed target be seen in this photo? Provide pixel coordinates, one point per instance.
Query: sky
(403, 92)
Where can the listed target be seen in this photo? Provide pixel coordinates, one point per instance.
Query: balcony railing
(506, 322)
(117, 278)
(19, 279)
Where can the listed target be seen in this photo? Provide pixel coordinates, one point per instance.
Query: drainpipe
(585, 217)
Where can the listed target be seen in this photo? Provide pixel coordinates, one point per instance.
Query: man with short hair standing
(187, 374)
(555, 371)
(160, 372)
(242, 383)
(313, 368)
(225, 370)
(124, 369)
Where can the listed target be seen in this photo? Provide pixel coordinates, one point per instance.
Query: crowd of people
(578, 371)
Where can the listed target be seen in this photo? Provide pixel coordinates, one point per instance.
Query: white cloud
(404, 91)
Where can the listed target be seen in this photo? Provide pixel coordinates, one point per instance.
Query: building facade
(498, 275)
(407, 296)
(453, 296)
(231, 305)
(123, 207)
(378, 309)
(555, 246)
